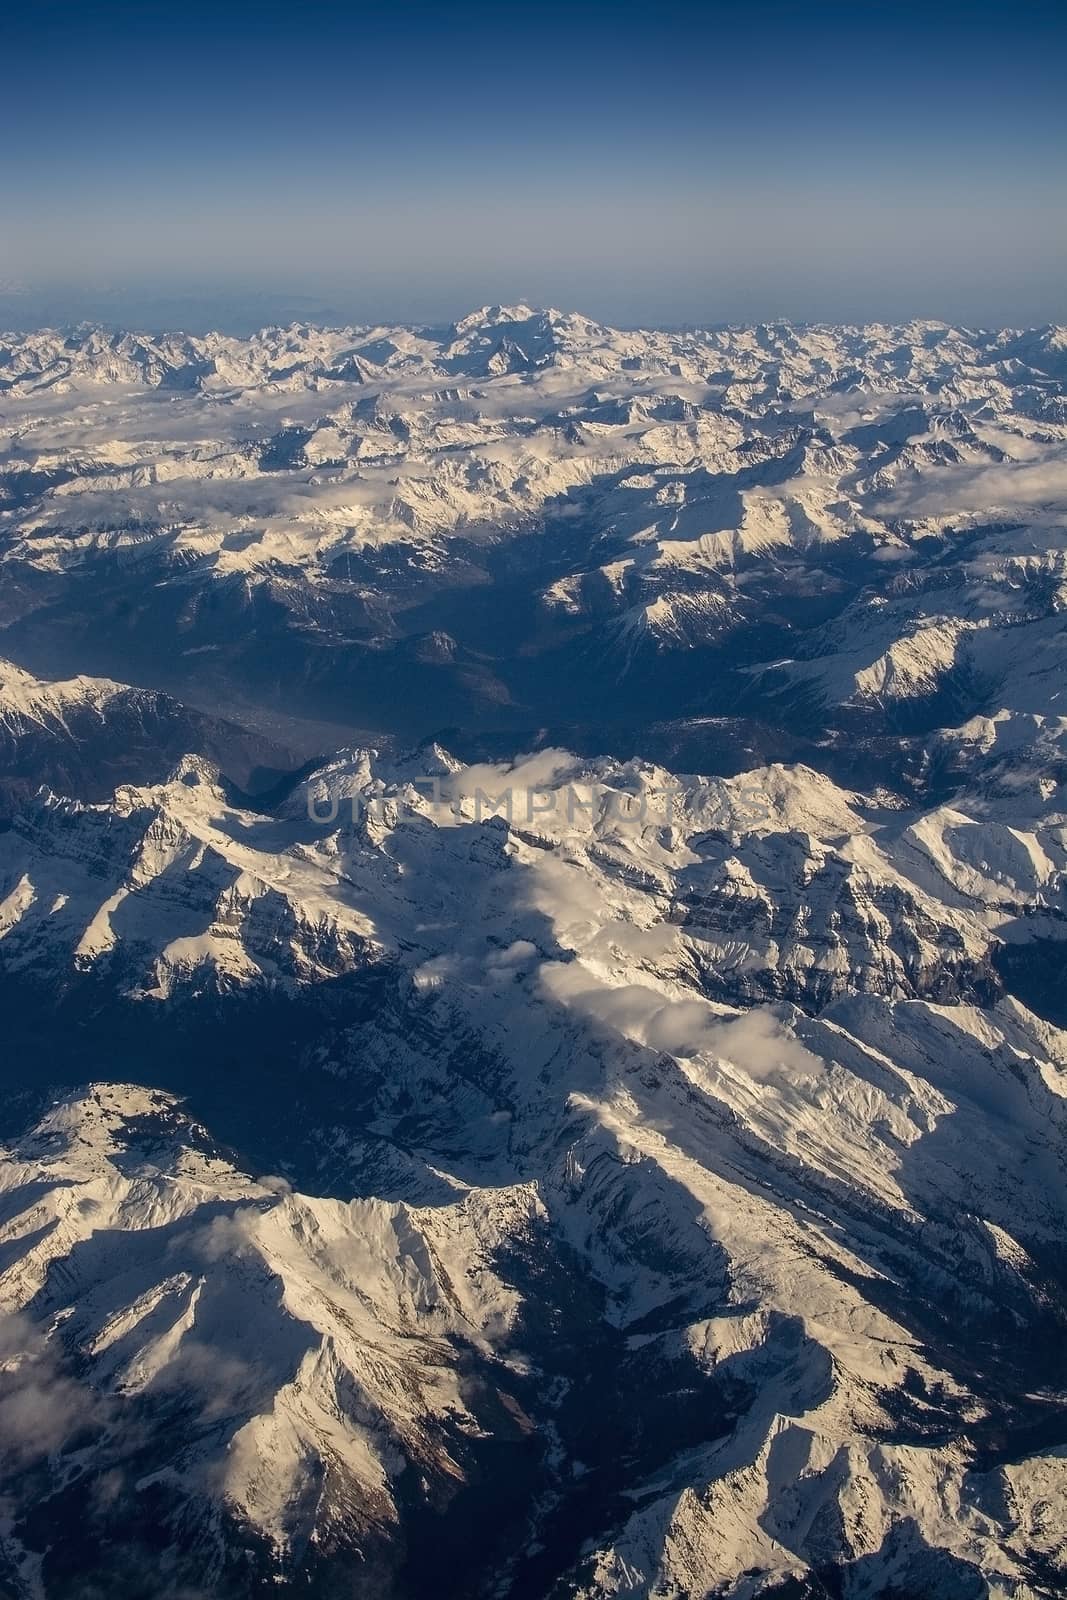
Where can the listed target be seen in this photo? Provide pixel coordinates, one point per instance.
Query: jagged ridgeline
(529, 521)
(532, 912)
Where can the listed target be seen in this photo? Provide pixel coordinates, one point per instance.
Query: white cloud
(40, 1407)
(756, 1041)
(1002, 488)
(522, 777)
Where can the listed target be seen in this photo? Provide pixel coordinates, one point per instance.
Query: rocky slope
(81, 736)
(803, 1261)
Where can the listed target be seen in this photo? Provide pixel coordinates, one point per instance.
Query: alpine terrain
(533, 949)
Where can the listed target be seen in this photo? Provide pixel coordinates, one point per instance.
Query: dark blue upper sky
(663, 164)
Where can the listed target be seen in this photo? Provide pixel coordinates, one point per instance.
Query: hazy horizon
(822, 164)
(24, 308)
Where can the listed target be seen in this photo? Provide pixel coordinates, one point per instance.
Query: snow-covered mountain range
(533, 900)
(858, 526)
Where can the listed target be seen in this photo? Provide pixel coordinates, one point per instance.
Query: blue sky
(663, 164)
